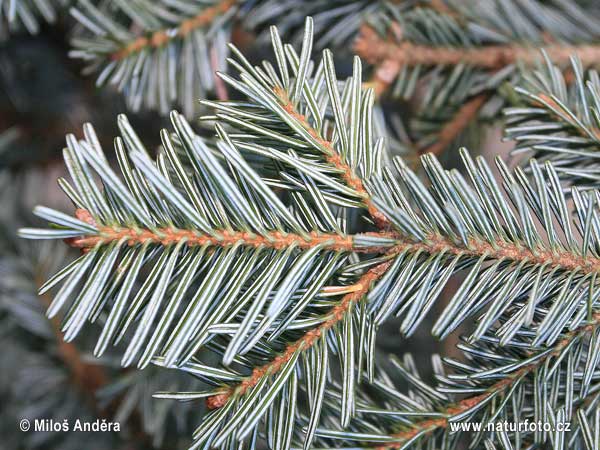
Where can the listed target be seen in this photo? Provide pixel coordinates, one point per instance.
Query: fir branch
(376, 50)
(557, 121)
(466, 225)
(349, 151)
(161, 37)
(490, 386)
(457, 57)
(433, 244)
(129, 223)
(158, 53)
(415, 270)
(337, 313)
(332, 156)
(241, 246)
(425, 427)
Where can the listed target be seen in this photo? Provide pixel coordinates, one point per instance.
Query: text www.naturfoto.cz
(527, 425)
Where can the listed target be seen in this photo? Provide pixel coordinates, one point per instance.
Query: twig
(375, 49)
(169, 236)
(432, 244)
(455, 126)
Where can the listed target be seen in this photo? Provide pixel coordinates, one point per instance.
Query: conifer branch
(452, 56)
(161, 37)
(88, 377)
(556, 120)
(375, 49)
(503, 251)
(364, 284)
(333, 157)
(469, 235)
(422, 428)
(129, 45)
(432, 245)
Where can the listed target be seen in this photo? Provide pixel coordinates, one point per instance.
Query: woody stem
(224, 238)
(376, 49)
(432, 244)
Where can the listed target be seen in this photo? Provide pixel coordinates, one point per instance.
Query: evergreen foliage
(251, 248)
(27, 14)
(452, 58)
(54, 382)
(239, 275)
(159, 53)
(558, 121)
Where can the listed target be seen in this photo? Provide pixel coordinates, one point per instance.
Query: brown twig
(432, 244)
(375, 49)
(435, 244)
(161, 37)
(169, 236)
(386, 71)
(455, 126)
(430, 425)
(389, 54)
